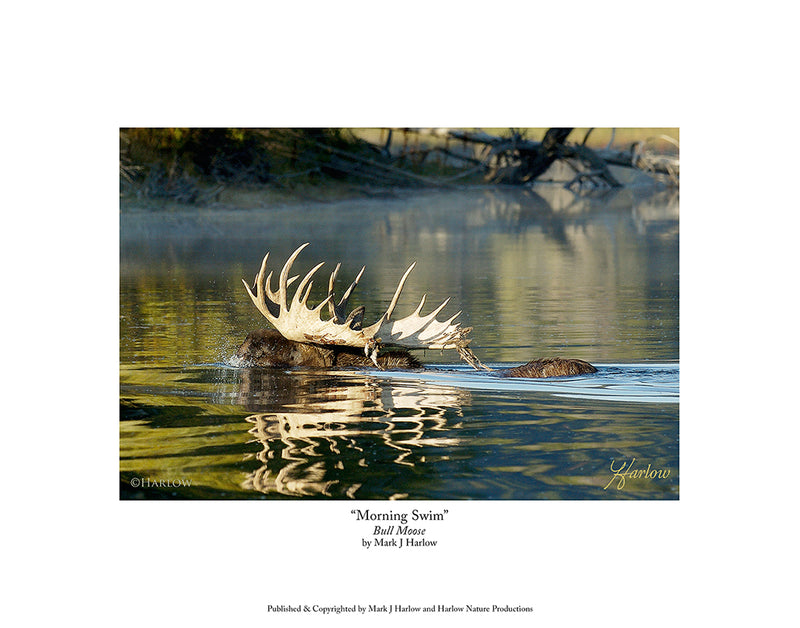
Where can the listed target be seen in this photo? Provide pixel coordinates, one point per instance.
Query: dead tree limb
(640, 157)
(516, 160)
(385, 167)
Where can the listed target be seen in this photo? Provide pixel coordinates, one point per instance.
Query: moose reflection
(321, 439)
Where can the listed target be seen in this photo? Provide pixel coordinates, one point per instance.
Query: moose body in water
(304, 338)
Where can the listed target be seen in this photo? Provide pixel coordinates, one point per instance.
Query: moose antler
(296, 321)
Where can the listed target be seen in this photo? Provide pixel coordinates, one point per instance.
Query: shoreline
(267, 196)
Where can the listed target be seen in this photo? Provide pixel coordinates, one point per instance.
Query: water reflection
(326, 432)
(541, 271)
(439, 434)
(658, 214)
(535, 271)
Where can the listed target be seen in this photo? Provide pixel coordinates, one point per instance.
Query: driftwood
(517, 160)
(640, 156)
(507, 160)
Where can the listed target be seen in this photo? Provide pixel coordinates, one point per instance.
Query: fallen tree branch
(380, 166)
(517, 160)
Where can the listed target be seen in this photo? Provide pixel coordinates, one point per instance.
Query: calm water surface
(536, 273)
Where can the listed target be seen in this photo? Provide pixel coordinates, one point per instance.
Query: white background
(75, 72)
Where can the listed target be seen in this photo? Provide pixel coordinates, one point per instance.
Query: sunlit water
(536, 274)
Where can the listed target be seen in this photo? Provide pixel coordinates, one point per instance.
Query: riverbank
(161, 169)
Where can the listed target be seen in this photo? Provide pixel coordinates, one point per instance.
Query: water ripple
(636, 383)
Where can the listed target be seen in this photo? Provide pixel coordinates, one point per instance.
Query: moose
(302, 337)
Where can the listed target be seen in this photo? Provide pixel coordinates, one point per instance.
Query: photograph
(399, 314)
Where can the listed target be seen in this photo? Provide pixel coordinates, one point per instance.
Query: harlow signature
(627, 471)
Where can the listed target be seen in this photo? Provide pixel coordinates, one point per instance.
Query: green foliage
(210, 154)
(233, 155)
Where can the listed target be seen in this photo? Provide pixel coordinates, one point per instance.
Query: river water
(536, 273)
